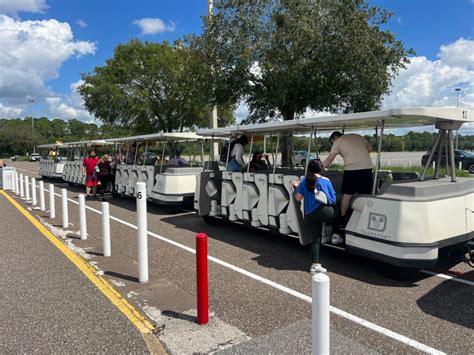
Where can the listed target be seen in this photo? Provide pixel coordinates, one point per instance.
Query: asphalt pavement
(47, 304)
(429, 310)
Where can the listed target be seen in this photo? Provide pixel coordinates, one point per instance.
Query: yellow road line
(144, 326)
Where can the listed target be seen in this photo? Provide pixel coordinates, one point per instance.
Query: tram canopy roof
(158, 137)
(52, 145)
(395, 118)
(97, 142)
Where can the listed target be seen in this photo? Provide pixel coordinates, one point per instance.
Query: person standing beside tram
(236, 159)
(357, 179)
(89, 170)
(315, 212)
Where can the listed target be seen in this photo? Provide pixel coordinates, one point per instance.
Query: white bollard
(27, 188)
(106, 229)
(17, 183)
(433, 164)
(52, 206)
(320, 314)
(33, 191)
(410, 163)
(460, 165)
(142, 228)
(22, 191)
(42, 202)
(64, 211)
(82, 217)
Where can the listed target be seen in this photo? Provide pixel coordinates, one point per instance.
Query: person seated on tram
(236, 161)
(53, 154)
(130, 158)
(315, 212)
(259, 162)
(158, 161)
(178, 161)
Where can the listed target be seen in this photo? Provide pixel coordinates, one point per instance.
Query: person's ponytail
(314, 167)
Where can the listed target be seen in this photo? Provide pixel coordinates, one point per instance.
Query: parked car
(34, 157)
(466, 158)
(14, 158)
(299, 157)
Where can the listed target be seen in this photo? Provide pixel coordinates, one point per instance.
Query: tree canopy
(151, 87)
(283, 57)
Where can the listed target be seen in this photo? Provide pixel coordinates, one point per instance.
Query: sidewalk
(47, 304)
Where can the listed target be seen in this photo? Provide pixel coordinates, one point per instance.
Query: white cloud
(151, 26)
(31, 53)
(10, 112)
(69, 107)
(81, 24)
(12, 7)
(459, 53)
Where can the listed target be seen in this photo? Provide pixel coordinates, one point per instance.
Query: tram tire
(212, 221)
(116, 194)
(70, 183)
(470, 168)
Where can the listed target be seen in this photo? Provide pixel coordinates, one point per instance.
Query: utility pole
(458, 90)
(213, 115)
(31, 101)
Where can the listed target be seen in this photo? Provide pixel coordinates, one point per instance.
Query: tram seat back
(250, 196)
(278, 199)
(238, 180)
(261, 181)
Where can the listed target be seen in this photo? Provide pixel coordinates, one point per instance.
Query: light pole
(213, 115)
(458, 90)
(31, 101)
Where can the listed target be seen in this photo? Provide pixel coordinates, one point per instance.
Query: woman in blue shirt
(315, 213)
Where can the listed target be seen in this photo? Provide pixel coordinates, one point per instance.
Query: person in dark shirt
(258, 163)
(104, 174)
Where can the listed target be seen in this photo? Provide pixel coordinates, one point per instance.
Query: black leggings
(322, 214)
(104, 181)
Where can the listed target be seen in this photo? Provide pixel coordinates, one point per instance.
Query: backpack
(225, 149)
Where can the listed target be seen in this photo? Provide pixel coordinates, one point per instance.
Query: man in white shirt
(236, 161)
(357, 178)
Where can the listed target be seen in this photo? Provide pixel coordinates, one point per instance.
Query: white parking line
(372, 326)
(448, 277)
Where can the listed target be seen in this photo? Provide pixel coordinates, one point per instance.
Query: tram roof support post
(377, 164)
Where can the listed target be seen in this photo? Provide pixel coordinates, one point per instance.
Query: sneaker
(336, 239)
(317, 268)
(103, 199)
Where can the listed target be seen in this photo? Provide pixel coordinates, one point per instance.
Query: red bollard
(202, 284)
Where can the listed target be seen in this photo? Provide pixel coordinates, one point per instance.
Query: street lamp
(458, 90)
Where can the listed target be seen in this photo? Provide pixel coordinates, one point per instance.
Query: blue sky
(46, 44)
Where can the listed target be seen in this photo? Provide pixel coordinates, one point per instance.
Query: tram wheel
(115, 194)
(212, 221)
(70, 183)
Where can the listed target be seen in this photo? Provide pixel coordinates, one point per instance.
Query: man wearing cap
(357, 179)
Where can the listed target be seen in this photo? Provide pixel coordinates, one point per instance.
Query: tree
(283, 56)
(151, 87)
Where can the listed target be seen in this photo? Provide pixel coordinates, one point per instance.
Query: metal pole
(42, 202)
(309, 150)
(106, 229)
(250, 153)
(320, 314)
(228, 153)
(276, 153)
(82, 217)
(162, 157)
(202, 279)
(64, 211)
(142, 229)
(213, 115)
(27, 188)
(430, 158)
(451, 156)
(14, 182)
(377, 163)
(52, 206)
(438, 158)
(22, 187)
